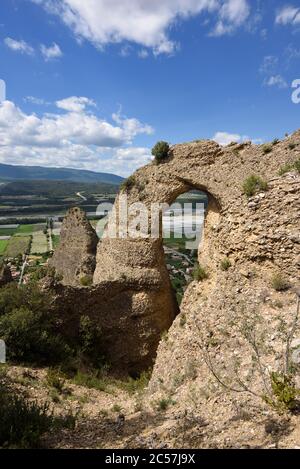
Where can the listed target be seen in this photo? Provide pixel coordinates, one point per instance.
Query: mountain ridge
(18, 172)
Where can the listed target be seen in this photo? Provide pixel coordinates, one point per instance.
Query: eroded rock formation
(259, 236)
(74, 258)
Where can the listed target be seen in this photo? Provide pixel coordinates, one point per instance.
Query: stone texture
(74, 258)
(260, 236)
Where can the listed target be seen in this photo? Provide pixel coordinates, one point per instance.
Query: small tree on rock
(160, 151)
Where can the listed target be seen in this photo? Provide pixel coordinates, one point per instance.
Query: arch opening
(184, 236)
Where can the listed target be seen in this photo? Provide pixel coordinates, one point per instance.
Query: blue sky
(95, 84)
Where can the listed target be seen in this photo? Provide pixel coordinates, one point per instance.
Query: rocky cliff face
(74, 258)
(258, 236)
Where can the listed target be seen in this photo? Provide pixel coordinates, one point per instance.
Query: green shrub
(292, 145)
(31, 337)
(275, 141)
(90, 380)
(164, 403)
(200, 273)
(297, 165)
(279, 282)
(128, 183)
(35, 334)
(116, 408)
(267, 148)
(28, 327)
(54, 380)
(160, 151)
(45, 271)
(225, 264)
(86, 280)
(23, 423)
(135, 385)
(182, 321)
(254, 184)
(90, 341)
(284, 391)
(285, 169)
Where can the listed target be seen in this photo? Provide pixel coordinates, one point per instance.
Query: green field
(17, 245)
(3, 244)
(27, 229)
(55, 240)
(7, 231)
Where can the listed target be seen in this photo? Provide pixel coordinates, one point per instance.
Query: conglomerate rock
(74, 258)
(258, 235)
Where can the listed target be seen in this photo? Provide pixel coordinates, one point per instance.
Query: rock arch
(131, 295)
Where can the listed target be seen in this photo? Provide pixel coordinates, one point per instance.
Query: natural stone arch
(143, 259)
(132, 297)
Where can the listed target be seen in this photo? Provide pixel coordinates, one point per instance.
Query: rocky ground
(115, 417)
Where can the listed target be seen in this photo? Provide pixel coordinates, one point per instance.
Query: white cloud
(19, 46)
(143, 22)
(74, 138)
(269, 65)
(225, 138)
(35, 101)
(75, 103)
(52, 52)
(143, 54)
(233, 14)
(276, 80)
(270, 68)
(288, 15)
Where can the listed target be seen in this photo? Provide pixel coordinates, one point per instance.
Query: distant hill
(55, 188)
(12, 173)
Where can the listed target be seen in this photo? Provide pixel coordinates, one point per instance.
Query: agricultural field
(7, 231)
(17, 245)
(29, 229)
(3, 245)
(39, 243)
(55, 240)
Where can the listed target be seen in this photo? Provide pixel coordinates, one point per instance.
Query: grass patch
(279, 282)
(164, 404)
(225, 264)
(200, 273)
(254, 184)
(101, 381)
(92, 381)
(290, 167)
(86, 280)
(285, 169)
(297, 165)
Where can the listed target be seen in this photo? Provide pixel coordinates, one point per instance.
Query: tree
(160, 151)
